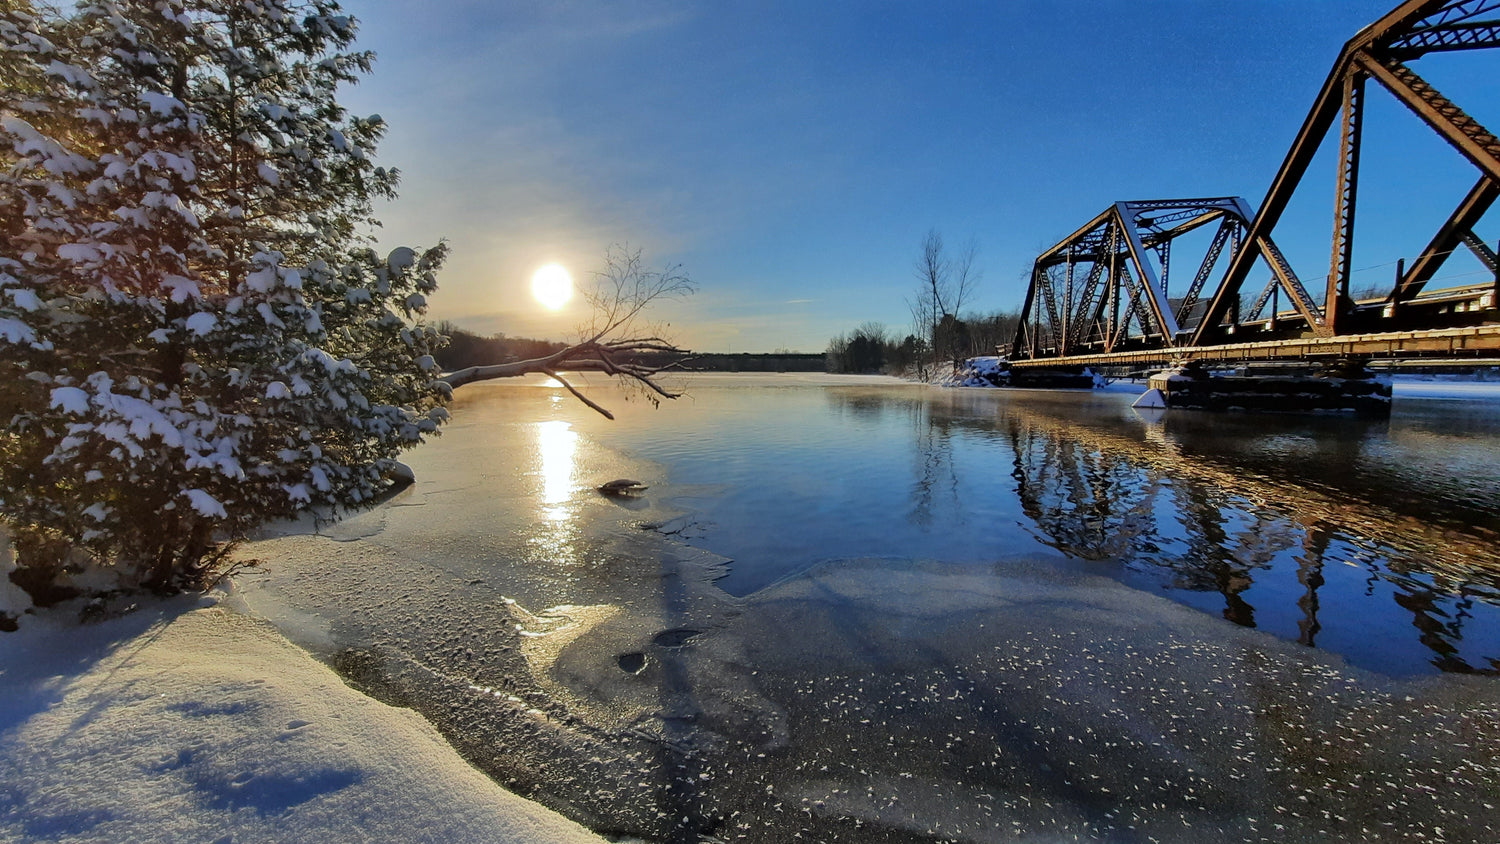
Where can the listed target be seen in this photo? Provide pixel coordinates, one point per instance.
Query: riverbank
(185, 720)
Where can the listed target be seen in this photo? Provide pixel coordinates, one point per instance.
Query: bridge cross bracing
(1102, 295)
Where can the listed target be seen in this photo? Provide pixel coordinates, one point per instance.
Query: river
(856, 609)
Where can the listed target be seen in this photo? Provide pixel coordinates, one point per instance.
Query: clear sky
(792, 155)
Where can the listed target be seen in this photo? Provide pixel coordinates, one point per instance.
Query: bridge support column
(1053, 378)
(1342, 384)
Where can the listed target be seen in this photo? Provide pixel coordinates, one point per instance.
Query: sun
(552, 286)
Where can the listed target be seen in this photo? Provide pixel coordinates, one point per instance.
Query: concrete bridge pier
(1343, 384)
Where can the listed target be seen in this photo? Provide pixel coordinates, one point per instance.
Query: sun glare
(552, 286)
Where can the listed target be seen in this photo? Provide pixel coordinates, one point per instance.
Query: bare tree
(944, 285)
(617, 340)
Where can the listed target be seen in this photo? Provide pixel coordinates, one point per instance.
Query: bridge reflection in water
(1301, 527)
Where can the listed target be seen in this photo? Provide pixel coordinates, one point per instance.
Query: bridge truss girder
(1122, 297)
(1378, 52)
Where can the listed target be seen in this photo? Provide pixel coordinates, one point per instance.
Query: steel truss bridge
(1102, 296)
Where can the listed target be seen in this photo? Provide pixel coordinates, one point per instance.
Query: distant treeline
(873, 348)
(742, 362)
(466, 348)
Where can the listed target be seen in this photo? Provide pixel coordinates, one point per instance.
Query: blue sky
(792, 155)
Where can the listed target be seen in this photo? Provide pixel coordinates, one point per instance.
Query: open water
(1376, 540)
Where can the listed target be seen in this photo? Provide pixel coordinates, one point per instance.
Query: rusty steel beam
(1120, 245)
(1205, 269)
(1292, 285)
(1448, 237)
(1459, 129)
(1049, 297)
(1080, 322)
(1260, 302)
(1344, 200)
(1450, 343)
(1463, 36)
(1156, 302)
(1482, 251)
(1315, 126)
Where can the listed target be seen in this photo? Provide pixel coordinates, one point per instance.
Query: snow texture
(24, 299)
(15, 331)
(202, 323)
(981, 372)
(204, 503)
(71, 400)
(197, 723)
(1151, 399)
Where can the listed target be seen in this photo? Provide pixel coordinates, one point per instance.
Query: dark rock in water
(674, 638)
(621, 486)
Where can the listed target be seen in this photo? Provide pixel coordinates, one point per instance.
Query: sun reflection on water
(557, 446)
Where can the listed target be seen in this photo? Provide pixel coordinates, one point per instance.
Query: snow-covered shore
(190, 721)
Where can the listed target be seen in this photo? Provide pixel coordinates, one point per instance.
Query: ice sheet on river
(595, 666)
(869, 699)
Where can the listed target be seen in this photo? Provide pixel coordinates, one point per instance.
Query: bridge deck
(1449, 343)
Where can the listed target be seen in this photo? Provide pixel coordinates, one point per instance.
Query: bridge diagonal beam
(1049, 297)
(1260, 301)
(1079, 322)
(1120, 319)
(1482, 251)
(1215, 250)
(1465, 133)
(1156, 301)
(1345, 200)
(1448, 237)
(1463, 36)
(1292, 285)
(1109, 294)
(1397, 23)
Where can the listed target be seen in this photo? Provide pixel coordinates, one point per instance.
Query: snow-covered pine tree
(194, 337)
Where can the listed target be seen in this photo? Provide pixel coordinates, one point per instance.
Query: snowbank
(981, 372)
(186, 721)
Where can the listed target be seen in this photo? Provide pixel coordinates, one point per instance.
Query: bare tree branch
(580, 396)
(617, 340)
